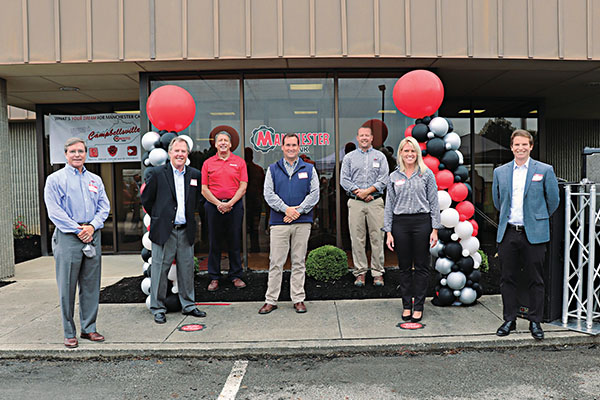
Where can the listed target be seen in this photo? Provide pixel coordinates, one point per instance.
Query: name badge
(92, 187)
(400, 182)
(537, 177)
(233, 165)
(193, 182)
(375, 164)
(302, 175)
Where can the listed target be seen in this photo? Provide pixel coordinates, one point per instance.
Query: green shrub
(327, 263)
(484, 266)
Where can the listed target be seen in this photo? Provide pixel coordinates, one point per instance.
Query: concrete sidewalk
(30, 325)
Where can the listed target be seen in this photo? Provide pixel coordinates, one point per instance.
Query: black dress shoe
(415, 319)
(195, 313)
(536, 330)
(506, 327)
(407, 317)
(160, 318)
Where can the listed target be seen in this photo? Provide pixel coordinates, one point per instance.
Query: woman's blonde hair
(413, 142)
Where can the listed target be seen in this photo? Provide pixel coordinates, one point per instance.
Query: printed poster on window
(109, 137)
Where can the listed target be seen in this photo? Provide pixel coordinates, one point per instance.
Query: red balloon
(475, 226)
(380, 131)
(465, 210)
(408, 130)
(418, 93)
(444, 179)
(423, 146)
(458, 192)
(142, 188)
(171, 108)
(432, 163)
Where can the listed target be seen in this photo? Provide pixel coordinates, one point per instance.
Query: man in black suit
(171, 197)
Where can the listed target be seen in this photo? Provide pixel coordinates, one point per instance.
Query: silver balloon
(443, 282)
(189, 141)
(149, 140)
(435, 249)
(452, 141)
(467, 295)
(461, 159)
(158, 157)
(430, 135)
(439, 126)
(456, 293)
(444, 265)
(456, 280)
(145, 285)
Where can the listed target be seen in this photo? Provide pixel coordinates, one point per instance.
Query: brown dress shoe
(267, 308)
(93, 336)
(214, 285)
(378, 281)
(238, 283)
(360, 280)
(300, 307)
(71, 342)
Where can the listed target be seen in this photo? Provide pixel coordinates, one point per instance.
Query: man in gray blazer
(525, 191)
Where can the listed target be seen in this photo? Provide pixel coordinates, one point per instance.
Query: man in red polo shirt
(224, 182)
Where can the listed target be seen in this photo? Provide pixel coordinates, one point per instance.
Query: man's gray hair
(179, 139)
(74, 140)
(223, 133)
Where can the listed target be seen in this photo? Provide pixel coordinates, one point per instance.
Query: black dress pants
(226, 227)
(515, 252)
(411, 242)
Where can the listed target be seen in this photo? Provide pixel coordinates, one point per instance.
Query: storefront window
(128, 207)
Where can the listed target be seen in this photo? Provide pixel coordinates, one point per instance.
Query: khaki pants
(363, 216)
(280, 238)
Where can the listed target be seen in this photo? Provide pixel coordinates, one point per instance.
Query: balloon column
(171, 109)
(418, 94)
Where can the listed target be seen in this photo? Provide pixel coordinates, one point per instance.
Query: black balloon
(145, 156)
(441, 254)
(419, 132)
(445, 235)
(166, 139)
(445, 296)
(146, 254)
(436, 147)
(426, 120)
(172, 303)
(147, 172)
(454, 268)
(466, 265)
(453, 251)
(147, 272)
(469, 191)
(418, 121)
(475, 275)
(450, 125)
(450, 160)
(461, 173)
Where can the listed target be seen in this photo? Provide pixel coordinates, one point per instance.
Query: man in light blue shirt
(364, 176)
(78, 206)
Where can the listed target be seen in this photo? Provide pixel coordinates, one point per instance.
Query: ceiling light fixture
(464, 112)
(128, 112)
(306, 86)
(222, 113)
(533, 112)
(69, 89)
(386, 112)
(305, 112)
(478, 111)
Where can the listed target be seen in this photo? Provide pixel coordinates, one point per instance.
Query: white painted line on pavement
(232, 385)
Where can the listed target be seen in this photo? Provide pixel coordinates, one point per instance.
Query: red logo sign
(410, 325)
(191, 327)
(112, 150)
(132, 150)
(93, 152)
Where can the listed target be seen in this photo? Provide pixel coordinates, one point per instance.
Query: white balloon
(150, 260)
(435, 249)
(430, 135)
(189, 141)
(455, 236)
(149, 140)
(147, 220)
(470, 244)
(452, 141)
(456, 280)
(467, 295)
(187, 162)
(464, 230)
(145, 286)
(476, 265)
(476, 257)
(147, 162)
(450, 218)
(439, 126)
(146, 242)
(148, 302)
(145, 267)
(175, 289)
(444, 199)
(461, 159)
(443, 281)
(456, 293)
(158, 157)
(172, 275)
(444, 265)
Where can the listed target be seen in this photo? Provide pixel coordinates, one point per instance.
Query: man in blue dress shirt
(78, 206)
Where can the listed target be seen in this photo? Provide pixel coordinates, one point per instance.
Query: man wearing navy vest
(525, 191)
(291, 190)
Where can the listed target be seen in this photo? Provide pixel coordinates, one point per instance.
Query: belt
(355, 197)
(180, 226)
(518, 228)
(224, 200)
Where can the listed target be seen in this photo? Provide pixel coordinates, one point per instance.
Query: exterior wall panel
(392, 29)
(168, 29)
(296, 28)
(328, 21)
(594, 28)
(454, 29)
(73, 38)
(264, 34)
(41, 31)
(485, 29)
(136, 30)
(575, 33)
(360, 27)
(423, 28)
(544, 29)
(514, 28)
(201, 27)
(232, 29)
(11, 45)
(105, 30)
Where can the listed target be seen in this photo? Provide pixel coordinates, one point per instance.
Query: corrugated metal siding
(565, 139)
(25, 199)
